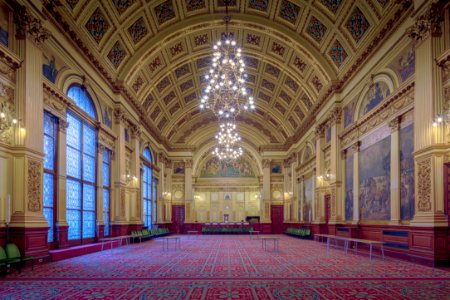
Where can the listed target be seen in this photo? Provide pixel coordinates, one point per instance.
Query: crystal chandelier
(225, 94)
(227, 147)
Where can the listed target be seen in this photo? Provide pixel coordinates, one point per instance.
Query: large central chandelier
(225, 94)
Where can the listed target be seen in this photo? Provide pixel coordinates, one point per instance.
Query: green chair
(14, 256)
(3, 260)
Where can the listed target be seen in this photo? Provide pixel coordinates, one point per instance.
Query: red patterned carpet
(227, 267)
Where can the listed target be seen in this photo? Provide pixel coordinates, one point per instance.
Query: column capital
(335, 116)
(429, 23)
(188, 163)
(394, 124)
(356, 146)
(63, 124)
(266, 163)
(136, 131)
(320, 131)
(100, 149)
(28, 25)
(119, 115)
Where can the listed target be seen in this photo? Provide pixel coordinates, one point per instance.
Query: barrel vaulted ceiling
(159, 51)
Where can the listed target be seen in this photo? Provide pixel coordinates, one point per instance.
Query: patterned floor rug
(227, 267)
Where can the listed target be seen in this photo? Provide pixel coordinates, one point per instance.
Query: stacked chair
(10, 256)
(299, 232)
(147, 234)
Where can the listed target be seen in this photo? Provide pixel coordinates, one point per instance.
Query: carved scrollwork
(266, 163)
(335, 115)
(394, 124)
(320, 131)
(34, 185)
(119, 116)
(424, 185)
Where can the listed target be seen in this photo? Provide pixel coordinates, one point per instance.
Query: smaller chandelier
(227, 142)
(227, 134)
(227, 152)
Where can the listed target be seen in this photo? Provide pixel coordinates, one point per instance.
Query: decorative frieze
(424, 185)
(34, 184)
(106, 139)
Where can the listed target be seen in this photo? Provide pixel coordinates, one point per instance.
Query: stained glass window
(82, 99)
(106, 167)
(81, 149)
(147, 188)
(50, 148)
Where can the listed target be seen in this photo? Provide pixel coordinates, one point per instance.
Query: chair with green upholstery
(3, 260)
(14, 256)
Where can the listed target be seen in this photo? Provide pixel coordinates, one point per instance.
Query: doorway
(276, 215)
(178, 218)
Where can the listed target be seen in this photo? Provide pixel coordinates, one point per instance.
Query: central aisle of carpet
(227, 267)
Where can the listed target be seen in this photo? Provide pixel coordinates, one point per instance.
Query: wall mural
(349, 111)
(407, 172)
(375, 181)
(404, 64)
(238, 168)
(49, 69)
(4, 24)
(349, 187)
(276, 169)
(308, 199)
(328, 134)
(374, 96)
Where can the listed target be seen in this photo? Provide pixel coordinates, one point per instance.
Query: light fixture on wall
(7, 120)
(443, 118)
(225, 94)
(166, 195)
(325, 177)
(130, 178)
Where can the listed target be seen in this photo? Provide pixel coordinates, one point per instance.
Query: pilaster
(336, 199)
(356, 213)
(119, 168)
(265, 199)
(395, 170)
(188, 194)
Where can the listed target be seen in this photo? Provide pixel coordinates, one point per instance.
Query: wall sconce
(325, 177)
(7, 121)
(129, 178)
(288, 195)
(443, 118)
(166, 195)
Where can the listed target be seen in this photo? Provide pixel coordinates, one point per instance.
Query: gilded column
(429, 141)
(188, 191)
(301, 196)
(99, 190)
(318, 209)
(265, 209)
(336, 211)
(61, 221)
(167, 205)
(356, 214)
(119, 170)
(395, 170)
(287, 190)
(134, 189)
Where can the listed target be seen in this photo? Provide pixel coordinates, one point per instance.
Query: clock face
(178, 194)
(276, 194)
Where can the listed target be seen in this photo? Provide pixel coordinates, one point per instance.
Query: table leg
(370, 255)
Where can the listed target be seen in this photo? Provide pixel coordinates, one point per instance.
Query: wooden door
(177, 218)
(327, 201)
(276, 215)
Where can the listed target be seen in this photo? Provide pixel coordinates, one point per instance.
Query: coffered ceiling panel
(160, 51)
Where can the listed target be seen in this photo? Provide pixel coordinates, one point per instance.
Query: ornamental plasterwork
(34, 184)
(27, 24)
(424, 185)
(122, 201)
(395, 103)
(7, 71)
(333, 201)
(106, 139)
(54, 102)
(8, 107)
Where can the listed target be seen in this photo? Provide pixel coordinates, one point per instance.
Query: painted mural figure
(379, 93)
(49, 70)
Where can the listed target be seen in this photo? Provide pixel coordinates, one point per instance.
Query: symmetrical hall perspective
(251, 149)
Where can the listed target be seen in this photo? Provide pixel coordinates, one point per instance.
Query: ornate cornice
(9, 58)
(394, 124)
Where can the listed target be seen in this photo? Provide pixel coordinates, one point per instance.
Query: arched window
(82, 99)
(81, 151)
(148, 189)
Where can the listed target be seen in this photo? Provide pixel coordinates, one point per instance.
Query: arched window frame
(148, 189)
(83, 114)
